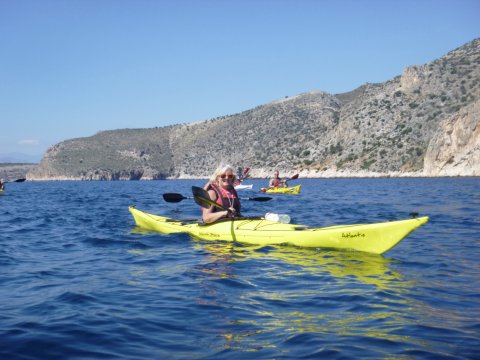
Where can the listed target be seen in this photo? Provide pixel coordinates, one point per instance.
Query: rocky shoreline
(264, 174)
(15, 171)
(9, 171)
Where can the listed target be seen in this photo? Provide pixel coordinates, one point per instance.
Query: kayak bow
(374, 238)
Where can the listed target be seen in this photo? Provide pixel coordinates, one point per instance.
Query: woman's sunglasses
(227, 176)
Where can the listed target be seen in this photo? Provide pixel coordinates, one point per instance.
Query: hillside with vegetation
(424, 122)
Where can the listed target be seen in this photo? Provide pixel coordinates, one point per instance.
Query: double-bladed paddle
(203, 199)
(175, 198)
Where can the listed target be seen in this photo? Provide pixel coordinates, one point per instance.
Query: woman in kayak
(221, 190)
(276, 181)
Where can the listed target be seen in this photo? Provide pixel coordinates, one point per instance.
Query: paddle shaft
(174, 197)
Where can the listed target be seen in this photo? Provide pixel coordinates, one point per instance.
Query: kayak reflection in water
(220, 189)
(276, 181)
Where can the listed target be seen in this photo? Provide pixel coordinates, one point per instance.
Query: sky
(72, 68)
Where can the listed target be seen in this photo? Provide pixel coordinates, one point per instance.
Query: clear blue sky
(70, 68)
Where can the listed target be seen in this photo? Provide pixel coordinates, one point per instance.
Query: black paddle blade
(259, 198)
(173, 198)
(12, 181)
(294, 177)
(202, 198)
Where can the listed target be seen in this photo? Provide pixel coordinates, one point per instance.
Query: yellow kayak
(374, 238)
(282, 190)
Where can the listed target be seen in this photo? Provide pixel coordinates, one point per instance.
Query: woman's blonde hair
(221, 170)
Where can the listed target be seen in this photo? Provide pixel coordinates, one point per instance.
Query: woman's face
(226, 178)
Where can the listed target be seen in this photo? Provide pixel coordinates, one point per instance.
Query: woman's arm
(208, 216)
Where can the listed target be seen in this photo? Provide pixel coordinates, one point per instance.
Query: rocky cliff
(454, 150)
(424, 122)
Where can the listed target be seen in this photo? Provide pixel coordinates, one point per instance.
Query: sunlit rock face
(455, 148)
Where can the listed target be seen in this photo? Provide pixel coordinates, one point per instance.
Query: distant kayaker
(276, 181)
(242, 174)
(2, 184)
(220, 189)
(239, 177)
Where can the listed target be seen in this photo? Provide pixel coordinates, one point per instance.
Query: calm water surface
(79, 281)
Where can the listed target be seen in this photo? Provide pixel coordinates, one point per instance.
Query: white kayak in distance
(244, 187)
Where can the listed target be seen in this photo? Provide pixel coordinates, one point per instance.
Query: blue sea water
(79, 281)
